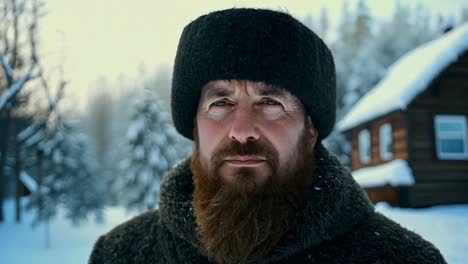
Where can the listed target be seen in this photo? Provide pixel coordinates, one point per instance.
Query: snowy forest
(363, 48)
(76, 173)
(117, 151)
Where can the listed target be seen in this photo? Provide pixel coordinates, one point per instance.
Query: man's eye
(220, 103)
(270, 102)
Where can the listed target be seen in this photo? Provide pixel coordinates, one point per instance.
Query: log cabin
(409, 133)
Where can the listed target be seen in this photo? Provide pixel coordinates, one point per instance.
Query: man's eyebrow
(213, 92)
(267, 90)
(272, 90)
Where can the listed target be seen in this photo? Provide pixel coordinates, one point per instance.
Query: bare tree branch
(6, 27)
(6, 68)
(33, 32)
(16, 87)
(14, 52)
(30, 135)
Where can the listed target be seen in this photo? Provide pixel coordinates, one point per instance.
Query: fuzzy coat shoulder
(337, 225)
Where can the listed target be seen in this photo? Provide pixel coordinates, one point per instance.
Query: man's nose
(244, 126)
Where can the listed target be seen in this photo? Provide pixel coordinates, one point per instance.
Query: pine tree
(353, 62)
(68, 176)
(362, 57)
(99, 122)
(153, 148)
(405, 31)
(464, 15)
(324, 24)
(19, 62)
(361, 65)
(361, 32)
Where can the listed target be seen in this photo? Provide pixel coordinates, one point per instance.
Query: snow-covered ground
(445, 226)
(23, 244)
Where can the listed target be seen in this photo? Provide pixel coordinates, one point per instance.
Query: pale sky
(110, 38)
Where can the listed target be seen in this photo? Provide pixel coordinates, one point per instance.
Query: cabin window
(451, 136)
(385, 142)
(364, 146)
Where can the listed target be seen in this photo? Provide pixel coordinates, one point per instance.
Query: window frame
(440, 135)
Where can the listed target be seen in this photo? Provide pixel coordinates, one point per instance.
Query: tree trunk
(3, 158)
(19, 186)
(40, 171)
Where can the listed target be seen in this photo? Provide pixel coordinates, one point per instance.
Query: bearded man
(255, 90)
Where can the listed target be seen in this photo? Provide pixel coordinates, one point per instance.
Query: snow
(26, 133)
(15, 88)
(394, 173)
(135, 129)
(444, 226)
(139, 152)
(24, 244)
(154, 146)
(37, 137)
(154, 157)
(57, 156)
(28, 181)
(408, 77)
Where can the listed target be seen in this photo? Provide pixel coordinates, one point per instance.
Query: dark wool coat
(337, 225)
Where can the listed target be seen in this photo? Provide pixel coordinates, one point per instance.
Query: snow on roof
(408, 77)
(394, 173)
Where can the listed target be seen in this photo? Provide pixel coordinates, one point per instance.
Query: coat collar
(334, 205)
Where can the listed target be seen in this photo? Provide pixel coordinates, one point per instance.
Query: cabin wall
(399, 138)
(437, 181)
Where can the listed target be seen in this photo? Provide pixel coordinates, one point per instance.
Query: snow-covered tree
(99, 122)
(161, 82)
(353, 60)
(66, 174)
(464, 14)
(363, 51)
(19, 61)
(152, 148)
(320, 25)
(354, 57)
(324, 24)
(407, 29)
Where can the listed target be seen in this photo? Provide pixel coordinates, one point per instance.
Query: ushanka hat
(257, 45)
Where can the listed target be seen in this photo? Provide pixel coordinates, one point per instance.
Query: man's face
(252, 165)
(244, 113)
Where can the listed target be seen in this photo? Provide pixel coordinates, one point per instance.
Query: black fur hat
(256, 45)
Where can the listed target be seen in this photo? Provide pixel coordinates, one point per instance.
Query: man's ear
(195, 127)
(313, 132)
(313, 135)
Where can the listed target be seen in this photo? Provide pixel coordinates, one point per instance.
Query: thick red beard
(240, 221)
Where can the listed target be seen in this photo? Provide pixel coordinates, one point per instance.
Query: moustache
(262, 148)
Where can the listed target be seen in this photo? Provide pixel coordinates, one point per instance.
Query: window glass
(451, 137)
(364, 146)
(450, 126)
(385, 142)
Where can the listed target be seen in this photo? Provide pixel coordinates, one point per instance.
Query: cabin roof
(393, 173)
(408, 77)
